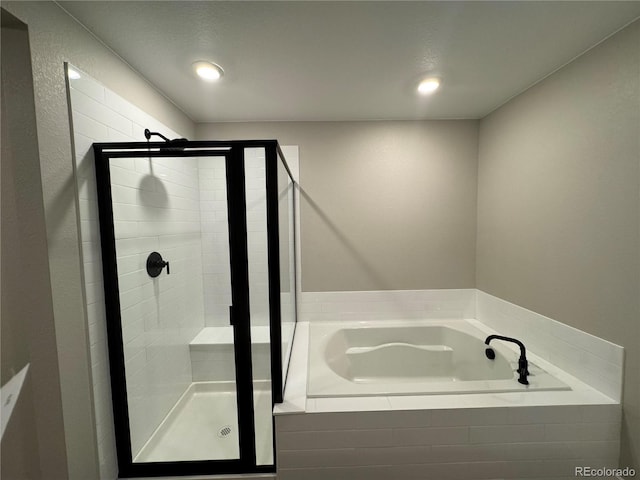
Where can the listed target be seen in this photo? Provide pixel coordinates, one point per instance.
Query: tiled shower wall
(215, 238)
(156, 208)
(179, 209)
(153, 210)
(255, 184)
(215, 241)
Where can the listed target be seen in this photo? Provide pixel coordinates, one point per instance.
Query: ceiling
(311, 60)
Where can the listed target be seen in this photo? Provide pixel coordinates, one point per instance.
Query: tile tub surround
(471, 444)
(593, 360)
(387, 305)
(477, 436)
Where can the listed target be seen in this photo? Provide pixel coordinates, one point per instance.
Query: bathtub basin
(410, 358)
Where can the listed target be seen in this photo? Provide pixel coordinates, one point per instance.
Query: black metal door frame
(233, 152)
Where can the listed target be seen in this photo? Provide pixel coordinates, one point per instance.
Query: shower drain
(224, 431)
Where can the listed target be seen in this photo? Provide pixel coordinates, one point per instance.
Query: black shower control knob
(155, 264)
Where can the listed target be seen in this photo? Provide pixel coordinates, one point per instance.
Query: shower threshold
(203, 425)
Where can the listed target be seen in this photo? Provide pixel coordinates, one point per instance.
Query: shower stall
(198, 255)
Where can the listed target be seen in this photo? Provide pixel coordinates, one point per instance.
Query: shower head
(175, 145)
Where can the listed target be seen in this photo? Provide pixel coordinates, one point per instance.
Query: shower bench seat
(212, 356)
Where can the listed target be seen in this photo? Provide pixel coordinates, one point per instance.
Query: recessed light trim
(428, 85)
(208, 71)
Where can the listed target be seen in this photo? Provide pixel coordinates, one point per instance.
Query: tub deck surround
(471, 436)
(416, 357)
(593, 360)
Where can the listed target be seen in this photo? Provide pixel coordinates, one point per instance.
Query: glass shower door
(175, 321)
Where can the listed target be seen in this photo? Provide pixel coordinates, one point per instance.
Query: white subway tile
(92, 272)
(316, 458)
(507, 433)
(595, 450)
(100, 113)
(547, 414)
(335, 439)
(117, 136)
(431, 436)
(589, 358)
(601, 413)
(87, 126)
(83, 145)
(582, 431)
(475, 416)
(338, 473)
(469, 453)
(88, 86)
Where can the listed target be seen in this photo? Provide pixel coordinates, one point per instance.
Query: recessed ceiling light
(428, 85)
(73, 75)
(208, 71)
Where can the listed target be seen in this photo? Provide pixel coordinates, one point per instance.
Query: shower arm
(148, 133)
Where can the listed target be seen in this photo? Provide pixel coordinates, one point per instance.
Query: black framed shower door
(232, 153)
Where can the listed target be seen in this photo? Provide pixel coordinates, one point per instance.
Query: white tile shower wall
(152, 212)
(593, 360)
(215, 239)
(386, 305)
(484, 443)
(161, 315)
(256, 199)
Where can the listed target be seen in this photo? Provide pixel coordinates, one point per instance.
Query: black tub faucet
(523, 365)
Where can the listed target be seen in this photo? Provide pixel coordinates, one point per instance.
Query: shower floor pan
(203, 425)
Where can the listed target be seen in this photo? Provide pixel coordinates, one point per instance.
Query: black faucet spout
(523, 364)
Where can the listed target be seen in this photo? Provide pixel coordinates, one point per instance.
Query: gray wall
(56, 38)
(33, 446)
(558, 204)
(385, 205)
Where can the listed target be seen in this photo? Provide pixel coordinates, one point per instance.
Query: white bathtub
(409, 358)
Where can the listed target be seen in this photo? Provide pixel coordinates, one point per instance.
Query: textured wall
(33, 444)
(558, 210)
(384, 205)
(56, 38)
